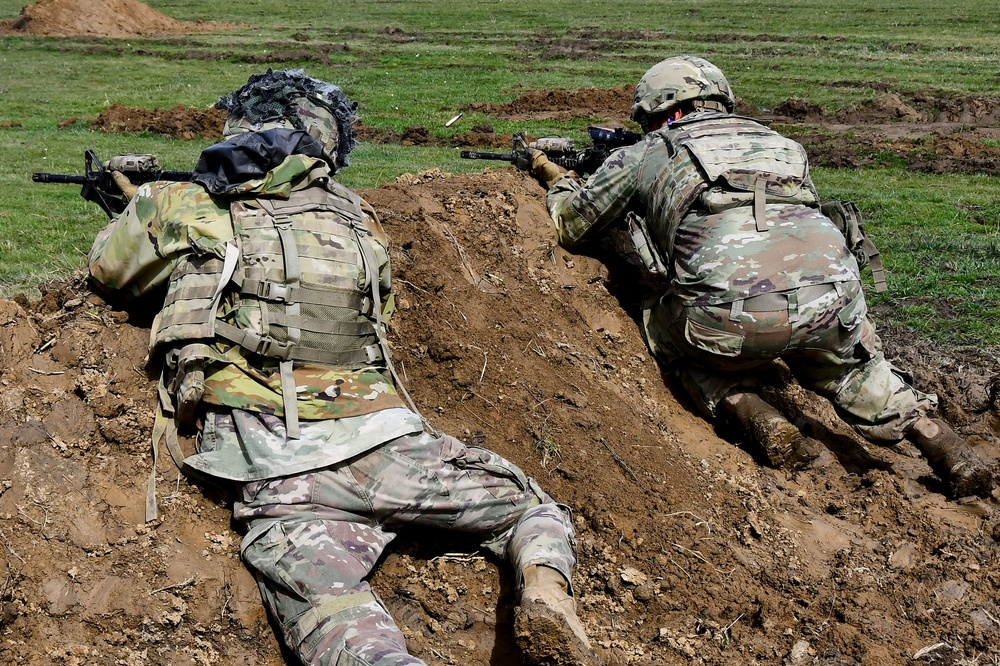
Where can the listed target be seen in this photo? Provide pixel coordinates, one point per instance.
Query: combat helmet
(678, 79)
(290, 99)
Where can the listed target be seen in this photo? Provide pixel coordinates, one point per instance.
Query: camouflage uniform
(320, 507)
(724, 210)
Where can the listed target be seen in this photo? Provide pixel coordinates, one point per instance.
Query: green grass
(418, 62)
(940, 242)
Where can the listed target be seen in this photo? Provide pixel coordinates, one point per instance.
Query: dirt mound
(926, 107)
(936, 148)
(938, 152)
(183, 122)
(926, 132)
(98, 18)
(180, 122)
(614, 103)
(480, 136)
(690, 549)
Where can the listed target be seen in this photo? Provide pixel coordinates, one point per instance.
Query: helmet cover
(675, 80)
(290, 99)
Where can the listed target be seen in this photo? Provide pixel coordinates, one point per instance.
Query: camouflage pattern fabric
(831, 347)
(706, 233)
(314, 538)
(722, 258)
(138, 252)
(674, 80)
(241, 445)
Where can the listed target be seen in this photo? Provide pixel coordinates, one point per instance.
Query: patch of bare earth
(99, 18)
(180, 122)
(691, 551)
(614, 103)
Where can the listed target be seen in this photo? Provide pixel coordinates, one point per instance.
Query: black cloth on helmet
(244, 157)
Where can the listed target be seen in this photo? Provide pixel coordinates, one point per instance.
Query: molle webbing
(741, 163)
(300, 284)
(288, 352)
(189, 307)
(739, 152)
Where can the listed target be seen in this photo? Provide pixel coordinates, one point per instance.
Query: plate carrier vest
(301, 283)
(742, 163)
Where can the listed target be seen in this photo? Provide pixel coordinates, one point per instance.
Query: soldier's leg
(836, 353)
(441, 482)
(310, 545)
(718, 356)
(840, 356)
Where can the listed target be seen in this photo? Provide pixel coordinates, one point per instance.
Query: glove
(124, 184)
(544, 170)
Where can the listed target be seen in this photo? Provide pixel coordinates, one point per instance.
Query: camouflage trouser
(315, 537)
(829, 343)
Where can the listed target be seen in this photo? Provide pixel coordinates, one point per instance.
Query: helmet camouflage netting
(289, 96)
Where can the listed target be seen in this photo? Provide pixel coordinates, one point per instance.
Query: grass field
(418, 62)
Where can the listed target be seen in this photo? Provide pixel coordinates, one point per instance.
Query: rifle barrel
(178, 176)
(475, 155)
(138, 178)
(58, 178)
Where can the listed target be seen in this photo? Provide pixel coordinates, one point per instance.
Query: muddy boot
(545, 624)
(952, 458)
(770, 430)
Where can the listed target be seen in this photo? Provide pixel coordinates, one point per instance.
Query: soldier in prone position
(272, 335)
(723, 210)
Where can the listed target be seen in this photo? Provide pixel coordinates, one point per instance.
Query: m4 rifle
(563, 151)
(98, 184)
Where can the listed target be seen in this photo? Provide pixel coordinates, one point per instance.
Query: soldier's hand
(544, 170)
(124, 184)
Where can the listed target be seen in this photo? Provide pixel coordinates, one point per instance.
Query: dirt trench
(926, 131)
(691, 550)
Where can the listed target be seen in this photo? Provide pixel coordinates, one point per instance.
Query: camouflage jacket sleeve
(581, 211)
(139, 249)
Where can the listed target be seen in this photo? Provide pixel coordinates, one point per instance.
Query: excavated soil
(691, 550)
(99, 18)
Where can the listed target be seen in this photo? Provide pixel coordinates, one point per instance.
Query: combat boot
(545, 624)
(952, 457)
(770, 430)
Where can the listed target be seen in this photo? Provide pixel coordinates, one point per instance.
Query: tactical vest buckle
(274, 349)
(374, 353)
(272, 291)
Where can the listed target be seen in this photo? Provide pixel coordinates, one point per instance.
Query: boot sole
(546, 639)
